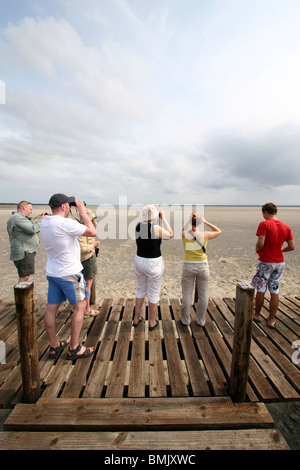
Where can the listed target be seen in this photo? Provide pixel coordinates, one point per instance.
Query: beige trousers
(192, 272)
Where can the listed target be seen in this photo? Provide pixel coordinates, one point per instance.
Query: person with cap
(60, 236)
(148, 262)
(24, 239)
(88, 246)
(195, 266)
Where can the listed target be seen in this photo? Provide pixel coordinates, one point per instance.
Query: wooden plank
(282, 336)
(178, 382)
(54, 373)
(286, 331)
(215, 374)
(196, 375)
(136, 386)
(7, 308)
(10, 387)
(274, 374)
(57, 378)
(250, 439)
(129, 414)
(98, 375)
(116, 380)
(221, 336)
(259, 387)
(211, 345)
(294, 306)
(78, 377)
(157, 381)
(128, 310)
(5, 371)
(288, 369)
(63, 331)
(220, 347)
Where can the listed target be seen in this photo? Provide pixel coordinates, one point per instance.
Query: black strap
(197, 241)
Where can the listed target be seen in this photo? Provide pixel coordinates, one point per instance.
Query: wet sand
(231, 256)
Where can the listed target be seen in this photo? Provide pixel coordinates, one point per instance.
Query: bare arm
(165, 233)
(260, 243)
(290, 246)
(90, 230)
(214, 233)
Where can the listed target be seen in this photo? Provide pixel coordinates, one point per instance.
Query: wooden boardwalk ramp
(165, 389)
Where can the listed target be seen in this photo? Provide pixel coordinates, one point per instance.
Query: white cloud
(157, 101)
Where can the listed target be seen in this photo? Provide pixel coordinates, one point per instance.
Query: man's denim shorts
(71, 288)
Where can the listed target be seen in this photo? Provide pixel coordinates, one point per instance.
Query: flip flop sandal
(136, 324)
(56, 351)
(92, 313)
(152, 327)
(73, 353)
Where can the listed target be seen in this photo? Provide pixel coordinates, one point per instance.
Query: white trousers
(149, 273)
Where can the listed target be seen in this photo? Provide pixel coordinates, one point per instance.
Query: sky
(151, 101)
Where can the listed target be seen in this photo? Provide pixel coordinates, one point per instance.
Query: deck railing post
(24, 300)
(241, 342)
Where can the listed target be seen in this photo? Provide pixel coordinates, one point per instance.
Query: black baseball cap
(58, 199)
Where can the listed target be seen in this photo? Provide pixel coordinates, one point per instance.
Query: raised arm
(90, 230)
(165, 232)
(214, 231)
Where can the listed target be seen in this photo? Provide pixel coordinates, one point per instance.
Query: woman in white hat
(148, 262)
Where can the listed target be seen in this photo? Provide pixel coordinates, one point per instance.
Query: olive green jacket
(23, 235)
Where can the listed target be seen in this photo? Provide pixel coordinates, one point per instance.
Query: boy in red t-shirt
(272, 233)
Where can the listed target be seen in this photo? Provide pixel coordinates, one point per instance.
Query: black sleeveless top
(148, 246)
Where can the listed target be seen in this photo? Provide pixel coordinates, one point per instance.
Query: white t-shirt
(59, 235)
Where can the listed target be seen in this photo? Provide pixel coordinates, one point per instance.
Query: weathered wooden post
(241, 342)
(24, 299)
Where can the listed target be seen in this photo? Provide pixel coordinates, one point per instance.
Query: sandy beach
(231, 256)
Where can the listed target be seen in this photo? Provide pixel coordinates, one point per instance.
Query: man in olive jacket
(24, 239)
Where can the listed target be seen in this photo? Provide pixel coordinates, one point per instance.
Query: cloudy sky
(157, 101)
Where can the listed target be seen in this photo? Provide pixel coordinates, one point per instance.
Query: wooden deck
(171, 379)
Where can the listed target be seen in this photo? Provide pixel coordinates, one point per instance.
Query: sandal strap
(61, 345)
(74, 352)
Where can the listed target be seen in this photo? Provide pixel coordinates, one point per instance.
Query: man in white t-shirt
(60, 236)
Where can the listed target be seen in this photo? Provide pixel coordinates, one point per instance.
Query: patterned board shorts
(268, 276)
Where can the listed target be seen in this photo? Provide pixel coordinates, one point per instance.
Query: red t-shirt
(275, 233)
